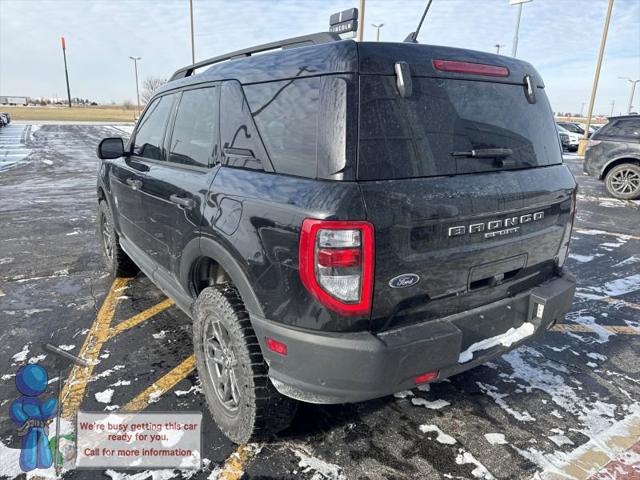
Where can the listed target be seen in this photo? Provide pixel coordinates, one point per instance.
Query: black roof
(345, 56)
(631, 115)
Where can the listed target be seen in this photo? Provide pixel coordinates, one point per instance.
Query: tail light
(566, 236)
(471, 68)
(336, 264)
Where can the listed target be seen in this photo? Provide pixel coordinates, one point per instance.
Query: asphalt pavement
(564, 406)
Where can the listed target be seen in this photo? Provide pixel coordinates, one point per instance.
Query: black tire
(623, 181)
(117, 262)
(259, 410)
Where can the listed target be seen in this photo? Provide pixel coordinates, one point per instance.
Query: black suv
(613, 155)
(343, 220)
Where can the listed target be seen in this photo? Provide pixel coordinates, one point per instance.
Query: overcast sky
(559, 37)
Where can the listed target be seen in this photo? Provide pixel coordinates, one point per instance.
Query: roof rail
(312, 39)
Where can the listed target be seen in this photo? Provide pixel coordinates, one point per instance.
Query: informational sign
(516, 2)
(344, 22)
(139, 440)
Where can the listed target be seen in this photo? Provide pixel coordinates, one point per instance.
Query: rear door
(176, 188)
(455, 230)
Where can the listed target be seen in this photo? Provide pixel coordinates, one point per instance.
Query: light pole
(613, 104)
(360, 32)
(193, 49)
(498, 47)
(377, 27)
(135, 66)
(633, 89)
(581, 109)
(514, 50)
(603, 42)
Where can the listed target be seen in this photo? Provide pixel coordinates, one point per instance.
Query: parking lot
(564, 406)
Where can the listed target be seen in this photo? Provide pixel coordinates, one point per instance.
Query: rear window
(415, 136)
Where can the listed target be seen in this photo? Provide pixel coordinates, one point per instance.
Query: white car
(574, 138)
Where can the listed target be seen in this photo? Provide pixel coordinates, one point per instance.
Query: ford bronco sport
(343, 220)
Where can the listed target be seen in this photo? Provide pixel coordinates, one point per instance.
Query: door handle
(183, 202)
(133, 183)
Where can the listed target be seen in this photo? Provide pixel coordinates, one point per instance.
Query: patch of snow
(498, 397)
(120, 383)
(66, 348)
(629, 261)
(21, 356)
(560, 439)
(37, 358)
(480, 471)
(597, 356)
(322, 469)
(495, 438)
(105, 396)
(7, 376)
(434, 405)
(161, 334)
(505, 339)
(581, 258)
(592, 365)
(441, 436)
(425, 387)
(403, 394)
(589, 321)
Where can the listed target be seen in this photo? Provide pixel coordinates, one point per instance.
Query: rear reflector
(344, 257)
(276, 346)
(471, 68)
(427, 377)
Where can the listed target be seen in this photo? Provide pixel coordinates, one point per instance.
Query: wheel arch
(215, 256)
(617, 161)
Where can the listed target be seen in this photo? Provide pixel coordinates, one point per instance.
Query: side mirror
(110, 148)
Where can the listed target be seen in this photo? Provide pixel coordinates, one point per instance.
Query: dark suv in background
(343, 220)
(613, 155)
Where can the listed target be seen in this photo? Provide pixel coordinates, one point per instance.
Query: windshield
(416, 136)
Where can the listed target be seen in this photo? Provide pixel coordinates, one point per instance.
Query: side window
(150, 131)
(286, 114)
(194, 136)
(241, 143)
(627, 128)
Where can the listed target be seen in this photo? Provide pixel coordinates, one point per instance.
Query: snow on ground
(322, 469)
(441, 436)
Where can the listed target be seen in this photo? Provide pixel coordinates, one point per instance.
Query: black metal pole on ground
(66, 73)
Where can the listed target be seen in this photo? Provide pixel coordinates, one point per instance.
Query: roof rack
(312, 39)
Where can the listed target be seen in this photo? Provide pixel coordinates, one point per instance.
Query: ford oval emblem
(404, 280)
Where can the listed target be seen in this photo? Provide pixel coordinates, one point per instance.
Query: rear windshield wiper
(485, 153)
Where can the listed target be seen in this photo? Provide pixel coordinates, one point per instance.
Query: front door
(129, 173)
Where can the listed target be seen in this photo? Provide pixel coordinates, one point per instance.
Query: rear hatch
(457, 224)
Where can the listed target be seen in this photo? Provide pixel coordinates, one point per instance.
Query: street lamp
(498, 47)
(633, 89)
(515, 37)
(135, 66)
(377, 27)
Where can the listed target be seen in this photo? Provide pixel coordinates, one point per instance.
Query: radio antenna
(413, 36)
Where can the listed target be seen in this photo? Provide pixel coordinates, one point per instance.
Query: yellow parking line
(161, 386)
(233, 468)
(140, 317)
(572, 327)
(76, 383)
(619, 301)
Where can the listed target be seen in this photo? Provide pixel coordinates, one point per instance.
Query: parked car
(572, 139)
(328, 242)
(4, 121)
(573, 127)
(613, 155)
(7, 117)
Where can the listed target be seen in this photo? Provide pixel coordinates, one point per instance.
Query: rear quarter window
(628, 128)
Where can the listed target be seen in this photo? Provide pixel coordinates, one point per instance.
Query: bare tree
(150, 85)
(127, 104)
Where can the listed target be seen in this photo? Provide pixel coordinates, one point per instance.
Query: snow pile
(442, 437)
(505, 339)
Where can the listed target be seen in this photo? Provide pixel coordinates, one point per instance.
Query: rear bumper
(352, 367)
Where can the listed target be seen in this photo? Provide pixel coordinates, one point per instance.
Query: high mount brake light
(471, 68)
(336, 264)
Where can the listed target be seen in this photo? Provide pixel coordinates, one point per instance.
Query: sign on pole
(344, 22)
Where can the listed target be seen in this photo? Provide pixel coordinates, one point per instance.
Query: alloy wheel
(221, 364)
(625, 181)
